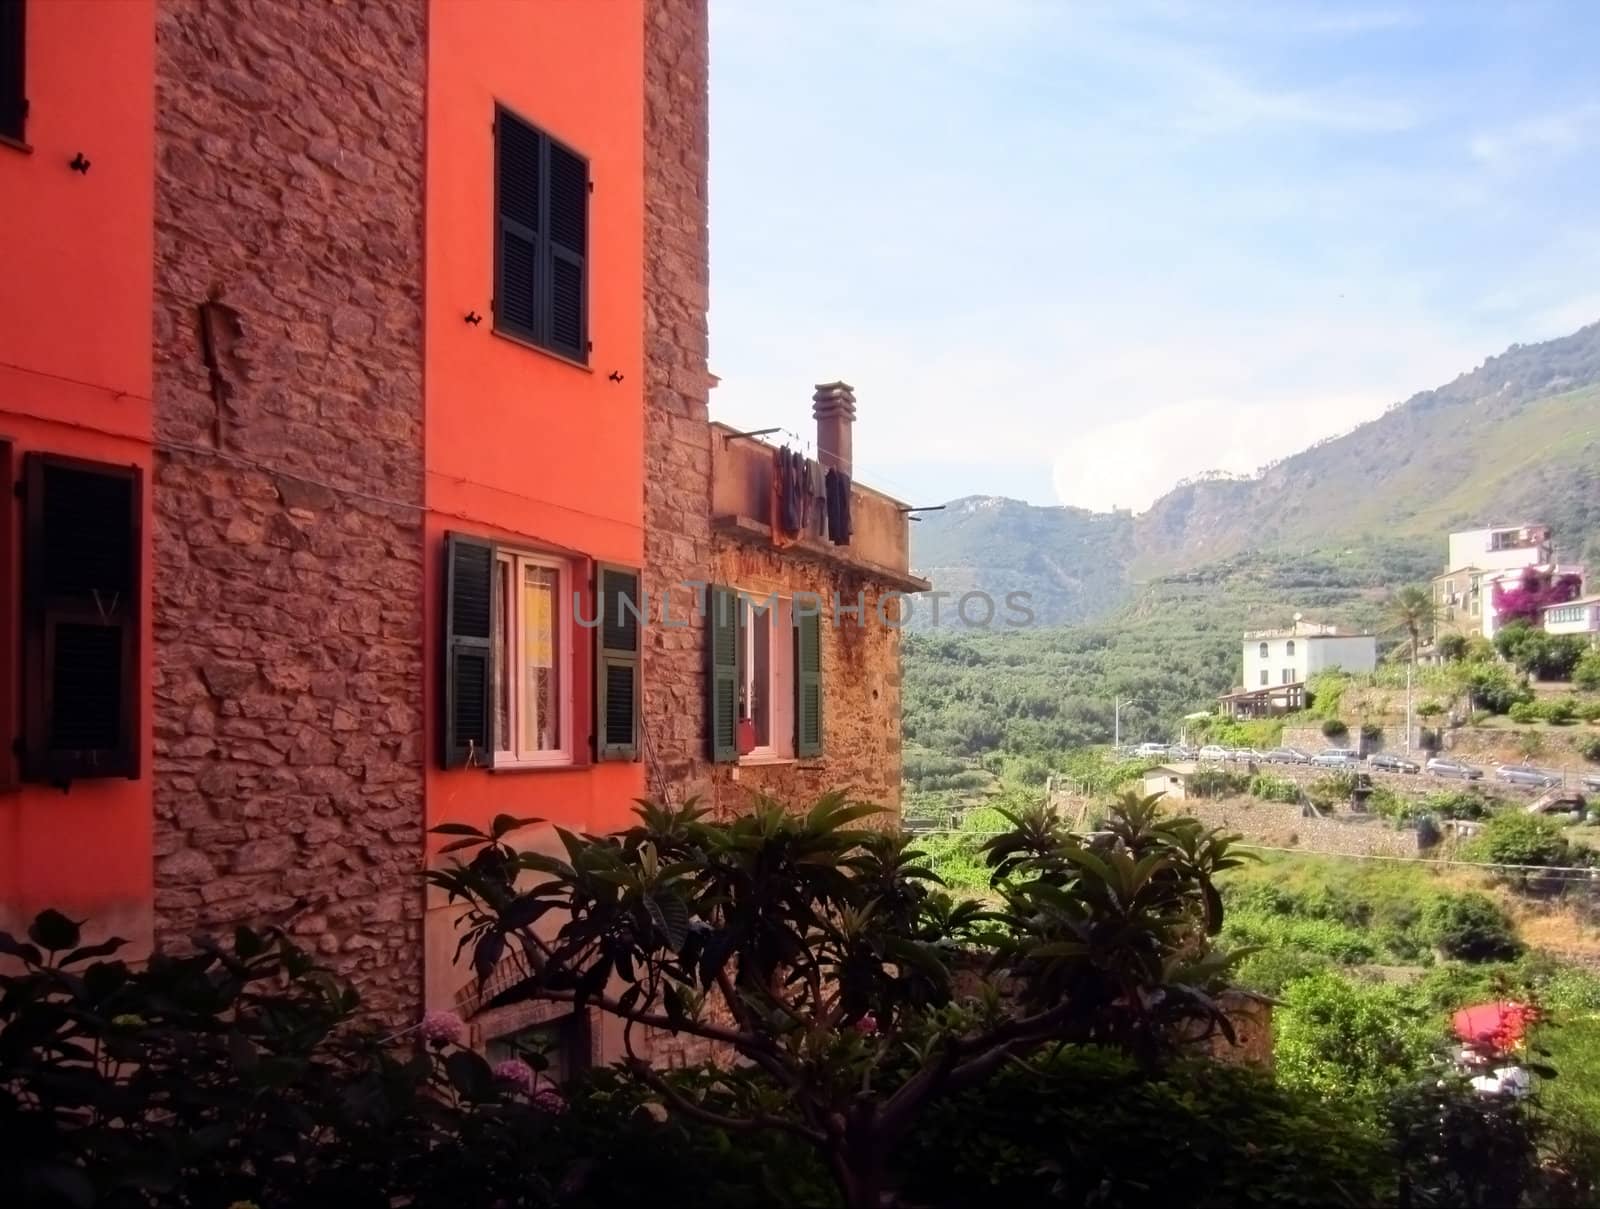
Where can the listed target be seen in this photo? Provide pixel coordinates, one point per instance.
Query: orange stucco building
(351, 298)
(76, 253)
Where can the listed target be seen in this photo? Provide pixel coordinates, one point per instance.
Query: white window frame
(780, 738)
(515, 755)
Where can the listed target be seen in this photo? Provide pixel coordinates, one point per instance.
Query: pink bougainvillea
(1536, 590)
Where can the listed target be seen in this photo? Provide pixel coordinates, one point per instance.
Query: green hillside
(1152, 606)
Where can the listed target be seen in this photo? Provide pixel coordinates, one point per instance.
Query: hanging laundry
(817, 488)
(838, 490)
(788, 495)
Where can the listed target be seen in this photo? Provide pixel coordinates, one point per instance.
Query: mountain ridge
(1517, 438)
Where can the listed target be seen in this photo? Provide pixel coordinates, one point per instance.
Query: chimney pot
(834, 406)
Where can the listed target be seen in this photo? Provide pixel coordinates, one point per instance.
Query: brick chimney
(834, 406)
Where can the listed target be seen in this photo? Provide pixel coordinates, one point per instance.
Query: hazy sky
(1073, 252)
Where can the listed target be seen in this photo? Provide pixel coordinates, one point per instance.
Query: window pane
(541, 720)
(761, 674)
(504, 658)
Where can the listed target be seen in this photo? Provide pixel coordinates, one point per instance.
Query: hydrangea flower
(444, 1027)
(867, 1025)
(548, 1099)
(516, 1072)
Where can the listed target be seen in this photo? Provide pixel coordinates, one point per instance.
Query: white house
(1291, 656)
(1581, 616)
(1500, 548)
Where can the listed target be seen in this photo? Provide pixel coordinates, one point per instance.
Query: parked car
(1145, 750)
(1213, 753)
(1526, 774)
(1592, 781)
(1245, 755)
(1337, 757)
(1387, 762)
(1459, 769)
(1179, 751)
(1288, 755)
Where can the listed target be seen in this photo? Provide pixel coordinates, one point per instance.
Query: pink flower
(442, 1027)
(516, 1072)
(548, 1099)
(867, 1026)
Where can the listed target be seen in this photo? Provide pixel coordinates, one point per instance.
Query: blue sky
(1072, 252)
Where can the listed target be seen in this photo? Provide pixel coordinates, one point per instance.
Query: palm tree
(1413, 611)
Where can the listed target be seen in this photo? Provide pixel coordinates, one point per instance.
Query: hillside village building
(1277, 664)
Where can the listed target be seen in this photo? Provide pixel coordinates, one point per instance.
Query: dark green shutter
(541, 291)
(469, 613)
(13, 56)
(616, 680)
(722, 660)
(808, 685)
(517, 178)
(81, 554)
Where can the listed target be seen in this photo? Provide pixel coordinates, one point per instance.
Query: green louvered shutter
(616, 679)
(808, 686)
(722, 662)
(469, 609)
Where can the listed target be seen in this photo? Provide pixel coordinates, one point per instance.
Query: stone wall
(1281, 825)
(288, 593)
(860, 689)
(677, 479)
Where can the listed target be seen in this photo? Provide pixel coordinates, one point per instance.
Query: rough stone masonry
(288, 614)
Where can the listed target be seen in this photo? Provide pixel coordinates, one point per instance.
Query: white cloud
(1547, 134)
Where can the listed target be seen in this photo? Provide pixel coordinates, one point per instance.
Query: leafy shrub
(1523, 711)
(1589, 711)
(1083, 1131)
(1270, 970)
(1274, 789)
(1218, 782)
(1430, 709)
(1518, 838)
(1337, 941)
(1458, 804)
(1586, 672)
(1492, 687)
(1331, 788)
(1589, 747)
(1371, 731)
(1460, 1148)
(1333, 728)
(240, 1074)
(1470, 927)
(1561, 712)
(1350, 1043)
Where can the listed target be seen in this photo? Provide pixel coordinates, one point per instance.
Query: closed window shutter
(541, 239)
(723, 660)
(808, 685)
(10, 683)
(81, 551)
(617, 641)
(518, 177)
(468, 651)
(569, 242)
(13, 51)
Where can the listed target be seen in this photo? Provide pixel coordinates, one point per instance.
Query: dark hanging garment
(838, 488)
(791, 491)
(817, 491)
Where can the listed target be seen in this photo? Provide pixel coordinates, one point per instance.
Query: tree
(822, 955)
(1452, 647)
(1586, 671)
(1412, 611)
